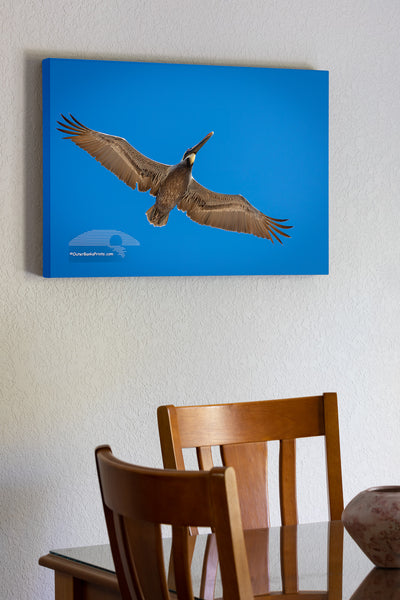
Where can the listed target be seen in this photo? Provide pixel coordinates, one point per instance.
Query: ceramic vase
(372, 519)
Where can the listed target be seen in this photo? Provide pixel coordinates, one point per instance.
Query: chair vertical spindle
(287, 482)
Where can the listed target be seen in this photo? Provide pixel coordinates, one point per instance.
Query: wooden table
(306, 562)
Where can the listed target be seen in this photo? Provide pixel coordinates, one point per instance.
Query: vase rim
(384, 489)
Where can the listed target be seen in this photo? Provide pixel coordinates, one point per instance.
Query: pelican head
(197, 147)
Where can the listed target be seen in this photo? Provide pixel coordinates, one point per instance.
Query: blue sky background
(270, 144)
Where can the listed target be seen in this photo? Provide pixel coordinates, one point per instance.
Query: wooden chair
(242, 431)
(137, 500)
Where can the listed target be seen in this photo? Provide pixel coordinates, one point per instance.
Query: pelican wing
(117, 155)
(228, 211)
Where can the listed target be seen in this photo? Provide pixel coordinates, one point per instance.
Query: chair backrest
(137, 500)
(242, 431)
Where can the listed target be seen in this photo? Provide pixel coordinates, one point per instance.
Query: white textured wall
(87, 361)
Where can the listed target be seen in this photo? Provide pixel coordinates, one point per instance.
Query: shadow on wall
(33, 161)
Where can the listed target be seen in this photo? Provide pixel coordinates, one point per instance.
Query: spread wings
(228, 211)
(224, 211)
(117, 155)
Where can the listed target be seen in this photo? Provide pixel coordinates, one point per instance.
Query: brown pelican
(172, 185)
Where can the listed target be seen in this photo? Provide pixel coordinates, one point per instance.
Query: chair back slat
(204, 458)
(181, 561)
(250, 464)
(287, 482)
(144, 554)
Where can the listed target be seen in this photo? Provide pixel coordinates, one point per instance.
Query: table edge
(80, 571)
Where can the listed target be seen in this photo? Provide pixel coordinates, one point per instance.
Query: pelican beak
(197, 147)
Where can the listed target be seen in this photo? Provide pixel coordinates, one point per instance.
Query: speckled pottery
(372, 519)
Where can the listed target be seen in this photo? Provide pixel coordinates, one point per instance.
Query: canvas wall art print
(154, 169)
